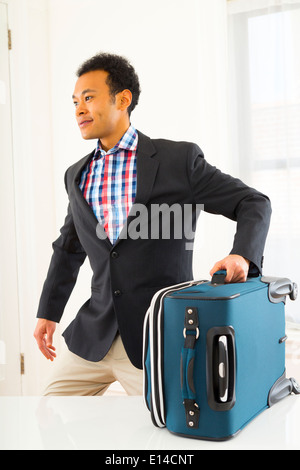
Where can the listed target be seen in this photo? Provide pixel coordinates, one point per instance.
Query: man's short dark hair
(121, 74)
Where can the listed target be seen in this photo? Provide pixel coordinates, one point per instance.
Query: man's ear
(124, 99)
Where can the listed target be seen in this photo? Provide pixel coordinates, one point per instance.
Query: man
(128, 170)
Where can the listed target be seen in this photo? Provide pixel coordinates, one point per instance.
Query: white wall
(179, 50)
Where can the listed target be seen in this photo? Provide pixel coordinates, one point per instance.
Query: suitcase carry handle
(221, 367)
(219, 277)
(191, 334)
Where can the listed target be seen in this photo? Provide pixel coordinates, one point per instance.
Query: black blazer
(127, 274)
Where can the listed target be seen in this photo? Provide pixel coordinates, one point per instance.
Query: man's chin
(88, 137)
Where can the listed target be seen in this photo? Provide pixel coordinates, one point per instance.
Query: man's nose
(80, 109)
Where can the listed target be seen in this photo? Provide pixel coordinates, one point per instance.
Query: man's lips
(85, 122)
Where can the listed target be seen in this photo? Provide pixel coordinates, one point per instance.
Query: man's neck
(110, 141)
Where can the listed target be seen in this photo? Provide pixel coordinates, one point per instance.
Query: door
(10, 372)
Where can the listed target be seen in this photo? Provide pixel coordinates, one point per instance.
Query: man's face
(97, 113)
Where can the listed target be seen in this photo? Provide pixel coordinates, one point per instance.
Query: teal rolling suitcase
(214, 354)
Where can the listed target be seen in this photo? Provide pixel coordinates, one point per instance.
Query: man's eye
(75, 103)
(87, 98)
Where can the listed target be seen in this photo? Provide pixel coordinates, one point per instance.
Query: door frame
(10, 350)
(36, 225)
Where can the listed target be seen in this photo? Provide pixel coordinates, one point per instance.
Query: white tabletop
(124, 423)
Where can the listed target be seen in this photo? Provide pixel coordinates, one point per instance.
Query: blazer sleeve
(67, 258)
(223, 194)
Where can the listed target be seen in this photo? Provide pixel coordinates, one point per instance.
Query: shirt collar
(128, 141)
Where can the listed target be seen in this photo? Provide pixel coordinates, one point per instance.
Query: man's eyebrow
(87, 90)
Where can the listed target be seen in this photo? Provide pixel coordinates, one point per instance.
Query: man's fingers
(46, 350)
(229, 276)
(236, 268)
(216, 267)
(238, 277)
(44, 337)
(49, 340)
(220, 266)
(235, 274)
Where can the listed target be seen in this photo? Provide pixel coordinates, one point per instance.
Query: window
(264, 50)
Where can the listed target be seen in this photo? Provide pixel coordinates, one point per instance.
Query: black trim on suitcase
(195, 297)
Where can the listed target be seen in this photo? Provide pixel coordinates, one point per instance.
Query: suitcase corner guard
(282, 388)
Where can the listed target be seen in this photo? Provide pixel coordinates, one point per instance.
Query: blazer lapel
(77, 191)
(146, 168)
(89, 215)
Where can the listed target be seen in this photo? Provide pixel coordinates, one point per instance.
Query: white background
(180, 52)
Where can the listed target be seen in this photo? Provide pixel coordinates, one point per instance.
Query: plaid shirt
(108, 183)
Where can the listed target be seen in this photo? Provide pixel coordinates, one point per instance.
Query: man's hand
(43, 334)
(236, 266)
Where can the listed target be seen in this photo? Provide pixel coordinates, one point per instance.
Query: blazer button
(117, 293)
(114, 254)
